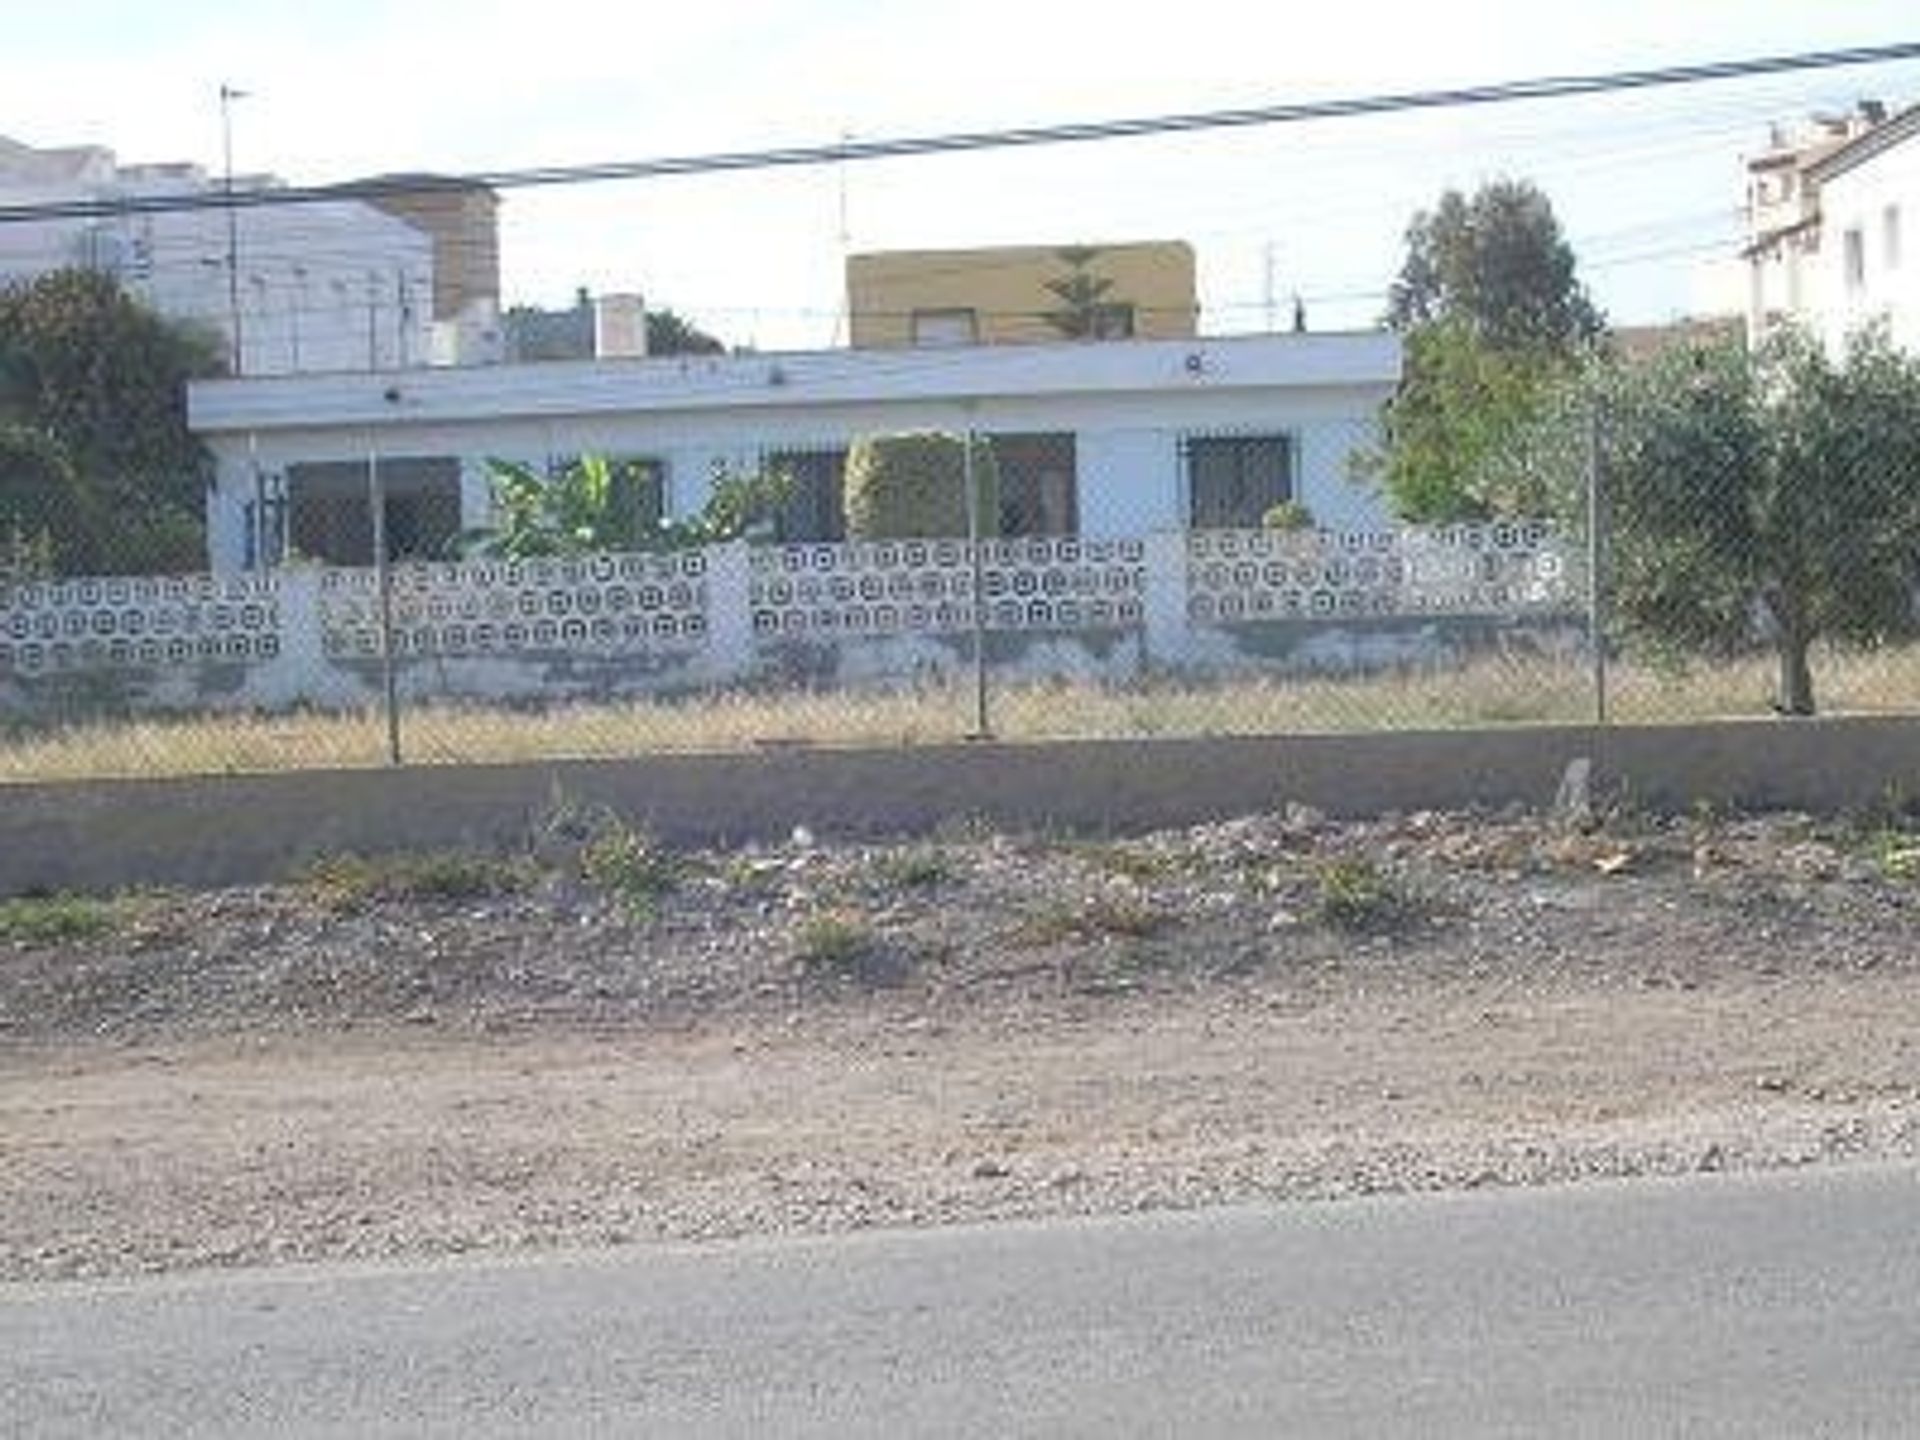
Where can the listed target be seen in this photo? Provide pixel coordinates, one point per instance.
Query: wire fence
(1652, 596)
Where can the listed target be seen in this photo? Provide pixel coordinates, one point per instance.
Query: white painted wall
(328, 286)
(1859, 199)
(1129, 407)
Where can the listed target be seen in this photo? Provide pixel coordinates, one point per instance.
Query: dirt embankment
(610, 1043)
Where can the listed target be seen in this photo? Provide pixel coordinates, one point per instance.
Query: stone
(1573, 799)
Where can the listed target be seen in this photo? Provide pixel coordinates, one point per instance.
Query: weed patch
(1094, 918)
(631, 867)
(839, 945)
(1355, 895)
(346, 882)
(51, 919)
(917, 869)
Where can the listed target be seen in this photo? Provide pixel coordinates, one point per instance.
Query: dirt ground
(606, 1043)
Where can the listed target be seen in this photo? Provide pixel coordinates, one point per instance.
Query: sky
(1647, 185)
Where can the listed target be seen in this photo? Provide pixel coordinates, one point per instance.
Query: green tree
(43, 510)
(1494, 318)
(913, 486)
(102, 380)
(1087, 310)
(670, 334)
(1498, 263)
(1751, 500)
(1460, 403)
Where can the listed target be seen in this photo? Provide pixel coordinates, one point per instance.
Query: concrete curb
(220, 830)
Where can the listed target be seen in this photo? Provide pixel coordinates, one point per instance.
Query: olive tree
(1765, 498)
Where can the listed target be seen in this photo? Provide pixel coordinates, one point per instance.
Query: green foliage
(349, 882)
(51, 919)
(1355, 894)
(838, 943)
(1087, 310)
(1289, 517)
(1461, 403)
(1098, 916)
(629, 865)
(914, 486)
(592, 505)
(670, 334)
(1497, 264)
(918, 868)
(1779, 485)
(1493, 316)
(93, 390)
(44, 510)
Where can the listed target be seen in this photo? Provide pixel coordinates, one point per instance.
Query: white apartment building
(1827, 204)
(1869, 199)
(314, 287)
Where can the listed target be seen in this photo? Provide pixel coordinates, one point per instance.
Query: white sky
(1646, 185)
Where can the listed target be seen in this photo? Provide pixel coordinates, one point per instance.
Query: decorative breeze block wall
(595, 603)
(62, 625)
(891, 587)
(1246, 575)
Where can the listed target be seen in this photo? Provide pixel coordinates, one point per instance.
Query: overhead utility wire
(839, 152)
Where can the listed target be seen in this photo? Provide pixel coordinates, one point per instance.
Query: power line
(1546, 88)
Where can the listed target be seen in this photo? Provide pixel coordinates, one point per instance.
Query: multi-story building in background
(1827, 202)
(404, 280)
(1141, 290)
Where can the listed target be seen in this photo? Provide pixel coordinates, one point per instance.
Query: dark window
(1039, 489)
(331, 515)
(1233, 480)
(945, 327)
(814, 510)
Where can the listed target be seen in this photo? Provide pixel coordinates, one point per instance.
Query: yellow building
(1021, 293)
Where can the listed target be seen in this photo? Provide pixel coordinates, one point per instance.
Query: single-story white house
(1094, 439)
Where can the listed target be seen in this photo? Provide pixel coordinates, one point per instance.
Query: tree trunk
(1796, 676)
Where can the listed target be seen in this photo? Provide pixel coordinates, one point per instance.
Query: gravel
(609, 1042)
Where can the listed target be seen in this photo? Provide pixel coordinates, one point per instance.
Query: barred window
(1233, 480)
(814, 510)
(1039, 490)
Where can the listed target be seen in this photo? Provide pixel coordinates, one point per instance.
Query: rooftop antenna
(228, 94)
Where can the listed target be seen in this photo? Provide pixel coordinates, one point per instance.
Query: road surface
(1778, 1305)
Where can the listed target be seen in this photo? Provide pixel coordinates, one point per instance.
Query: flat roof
(667, 384)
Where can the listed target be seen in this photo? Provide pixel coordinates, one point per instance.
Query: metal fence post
(1596, 560)
(383, 586)
(982, 728)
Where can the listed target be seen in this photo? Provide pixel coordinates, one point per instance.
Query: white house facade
(1869, 200)
(1828, 209)
(1094, 440)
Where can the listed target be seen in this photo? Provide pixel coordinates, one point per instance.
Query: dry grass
(1489, 691)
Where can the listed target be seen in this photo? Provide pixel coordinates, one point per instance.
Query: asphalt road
(1783, 1305)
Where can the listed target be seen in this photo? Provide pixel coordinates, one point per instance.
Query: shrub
(629, 865)
(1355, 894)
(1289, 517)
(902, 487)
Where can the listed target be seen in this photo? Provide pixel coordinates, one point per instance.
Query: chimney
(619, 327)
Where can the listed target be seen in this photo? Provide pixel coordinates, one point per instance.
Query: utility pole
(228, 94)
(844, 316)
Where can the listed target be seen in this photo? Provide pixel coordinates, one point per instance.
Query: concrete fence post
(728, 653)
(1164, 604)
(298, 673)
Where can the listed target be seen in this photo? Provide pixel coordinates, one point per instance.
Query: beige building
(1023, 293)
